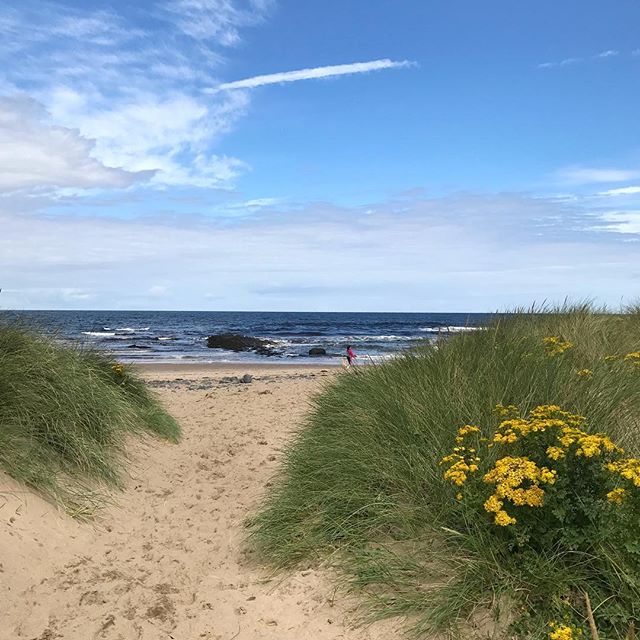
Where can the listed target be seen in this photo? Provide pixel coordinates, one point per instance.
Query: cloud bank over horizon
(407, 254)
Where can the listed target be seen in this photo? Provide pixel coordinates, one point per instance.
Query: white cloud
(314, 73)
(215, 19)
(34, 155)
(609, 53)
(623, 221)
(622, 191)
(260, 202)
(589, 175)
(561, 63)
(151, 133)
(137, 93)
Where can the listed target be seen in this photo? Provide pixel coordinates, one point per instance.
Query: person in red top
(351, 356)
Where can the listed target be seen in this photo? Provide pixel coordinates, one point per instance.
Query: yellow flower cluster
(556, 453)
(508, 411)
(633, 358)
(542, 418)
(510, 431)
(587, 445)
(556, 346)
(629, 469)
(617, 496)
(520, 481)
(564, 632)
(462, 462)
(547, 417)
(118, 368)
(465, 431)
(584, 373)
(508, 476)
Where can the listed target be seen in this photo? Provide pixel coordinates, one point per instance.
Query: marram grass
(406, 477)
(65, 416)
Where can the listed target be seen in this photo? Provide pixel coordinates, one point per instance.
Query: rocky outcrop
(317, 351)
(237, 342)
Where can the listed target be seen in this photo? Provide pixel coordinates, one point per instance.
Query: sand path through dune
(167, 561)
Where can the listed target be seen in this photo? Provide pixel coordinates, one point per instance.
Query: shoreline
(152, 369)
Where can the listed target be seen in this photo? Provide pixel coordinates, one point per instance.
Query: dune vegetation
(484, 486)
(66, 414)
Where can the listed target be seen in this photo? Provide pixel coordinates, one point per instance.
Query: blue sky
(286, 155)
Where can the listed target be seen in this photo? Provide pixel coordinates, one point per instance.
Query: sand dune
(167, 560)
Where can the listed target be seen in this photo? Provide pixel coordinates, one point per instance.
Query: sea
(181, 336)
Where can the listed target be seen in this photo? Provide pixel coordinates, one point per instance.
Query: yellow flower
(457, 473)
(508, 411)
(542, 418)
(587, 445)
(531, 497)
(628, 468)
(493, 504)
(458, 497)
(467, 429)
(556, 346)
(512, 471)
(545, 411)
(118, 368)
(633, 358)
(584, 373)
(556, 453)
(461, 463)
(508, 475)
(564, 632)
(616, 496)
(503, 519)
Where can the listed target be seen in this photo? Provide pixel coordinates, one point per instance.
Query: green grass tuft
(362, 482)
(65, 416)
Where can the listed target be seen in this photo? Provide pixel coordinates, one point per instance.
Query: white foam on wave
(339, 339)
(451, 329)
(99, 333)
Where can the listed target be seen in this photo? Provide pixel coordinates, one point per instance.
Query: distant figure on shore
(351, 356)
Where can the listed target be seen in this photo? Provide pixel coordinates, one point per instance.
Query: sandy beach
(166, 560)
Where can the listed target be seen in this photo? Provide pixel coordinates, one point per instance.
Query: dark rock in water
(237, 342)
(137, 346)
(317, 351)
(246, 378)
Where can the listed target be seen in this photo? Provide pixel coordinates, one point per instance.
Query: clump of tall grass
(364, 482)
(65, 416)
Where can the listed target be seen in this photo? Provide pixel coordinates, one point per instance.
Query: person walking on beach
(351, 356)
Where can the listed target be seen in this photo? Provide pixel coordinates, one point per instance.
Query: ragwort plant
(551, 485)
